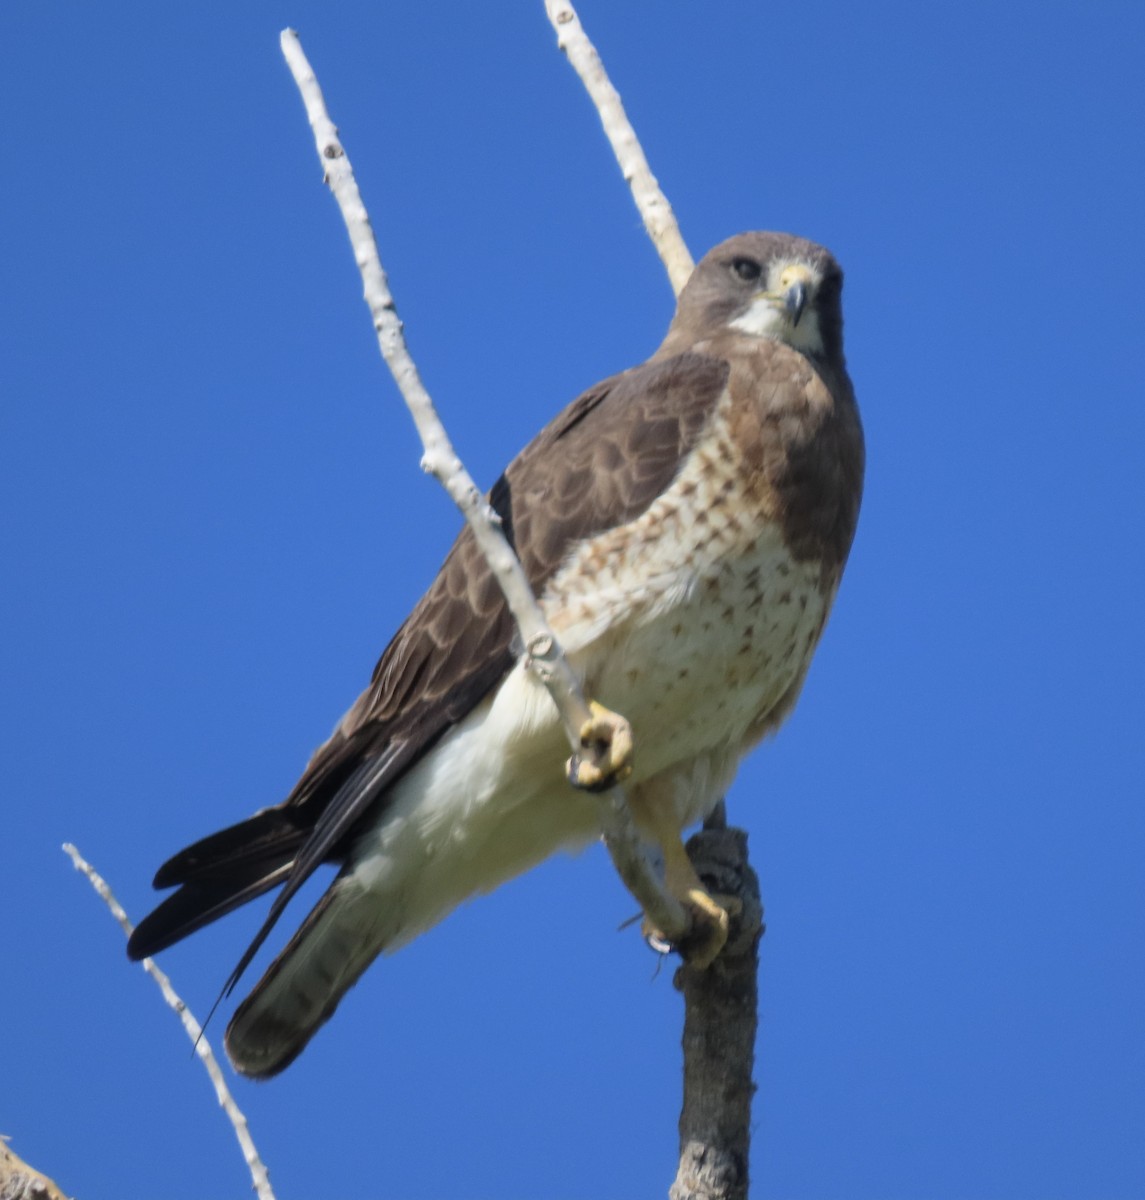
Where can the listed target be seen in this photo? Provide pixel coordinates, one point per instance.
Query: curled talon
(607, 757)
(709, 933)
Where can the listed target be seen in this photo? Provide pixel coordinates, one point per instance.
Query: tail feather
(304, 985)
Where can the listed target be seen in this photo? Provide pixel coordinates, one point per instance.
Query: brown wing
(598, 465)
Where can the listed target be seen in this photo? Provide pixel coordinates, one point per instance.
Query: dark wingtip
(164, 927)
(133, 948)
(269, 836)
(197, 904)
(142, 943)
(165, 877)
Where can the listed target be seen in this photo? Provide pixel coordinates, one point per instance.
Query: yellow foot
(709, 932)
(606, 757)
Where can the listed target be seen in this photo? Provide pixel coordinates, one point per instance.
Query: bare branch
(543, 652)
(720, 1020)
(652, 204)
(258, 1172)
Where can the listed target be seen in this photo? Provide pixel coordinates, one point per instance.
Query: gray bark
(720, 1018)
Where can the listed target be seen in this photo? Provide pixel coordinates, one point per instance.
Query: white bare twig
(255, 1165)
(543, 652)
(652, 204)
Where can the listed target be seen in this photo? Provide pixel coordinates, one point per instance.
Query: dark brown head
(770, 285)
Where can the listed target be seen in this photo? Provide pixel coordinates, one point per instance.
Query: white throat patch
(768, 318)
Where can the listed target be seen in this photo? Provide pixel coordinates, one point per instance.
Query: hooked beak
(794, 301)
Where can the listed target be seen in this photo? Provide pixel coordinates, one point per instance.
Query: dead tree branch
(720, 1020)
(655, 211)
(258, 1173)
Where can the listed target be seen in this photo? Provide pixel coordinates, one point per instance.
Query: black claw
(573, 770)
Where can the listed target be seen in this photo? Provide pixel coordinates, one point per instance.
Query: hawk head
(768, 285)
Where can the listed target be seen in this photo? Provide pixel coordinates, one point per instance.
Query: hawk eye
(747, 269)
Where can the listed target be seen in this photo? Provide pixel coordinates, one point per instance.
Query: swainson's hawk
(685, 524)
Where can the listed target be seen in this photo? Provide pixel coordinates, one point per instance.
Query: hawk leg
(710, 914)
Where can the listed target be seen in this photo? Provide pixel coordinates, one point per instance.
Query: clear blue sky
(213, 520)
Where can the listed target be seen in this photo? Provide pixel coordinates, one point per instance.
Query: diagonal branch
(652, 204)
(258, 1173)
(543, 653)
